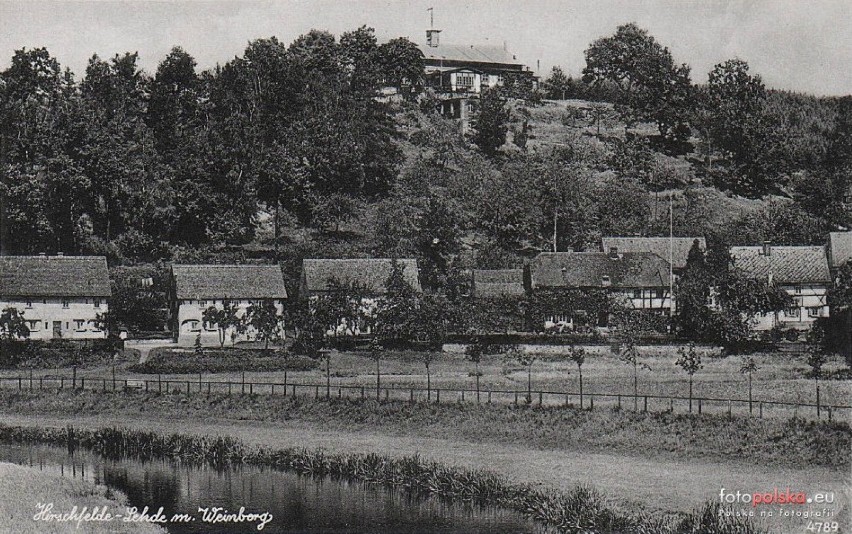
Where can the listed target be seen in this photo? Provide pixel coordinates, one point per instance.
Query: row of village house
(63, 296)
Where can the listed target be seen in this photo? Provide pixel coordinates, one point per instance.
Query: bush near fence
(168, 361)
(38, 354)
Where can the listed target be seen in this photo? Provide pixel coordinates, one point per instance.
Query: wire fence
(393, 392)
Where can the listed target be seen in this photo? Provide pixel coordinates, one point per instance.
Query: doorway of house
(57, 329)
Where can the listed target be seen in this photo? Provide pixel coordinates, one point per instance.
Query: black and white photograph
(426, 266)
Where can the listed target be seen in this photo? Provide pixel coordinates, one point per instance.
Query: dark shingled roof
(369, 272)
(787, 265)
(54, 276)
(491, 283)
(839, 248)
(587, 269)
(228, 282)
(656, 245)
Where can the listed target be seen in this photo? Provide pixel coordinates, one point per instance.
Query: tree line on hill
(191, 167)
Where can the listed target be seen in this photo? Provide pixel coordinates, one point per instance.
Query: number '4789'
(828, 526)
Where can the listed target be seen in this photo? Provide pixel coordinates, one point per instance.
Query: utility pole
(4, 229)
(671, 255)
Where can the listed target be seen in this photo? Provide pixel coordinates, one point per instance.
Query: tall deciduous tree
(736, 100)
(651, 85)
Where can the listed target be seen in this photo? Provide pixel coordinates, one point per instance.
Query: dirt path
(673, 485)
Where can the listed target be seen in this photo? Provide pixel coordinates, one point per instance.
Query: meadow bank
(793, 443)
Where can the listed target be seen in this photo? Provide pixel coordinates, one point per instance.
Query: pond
(298, 504)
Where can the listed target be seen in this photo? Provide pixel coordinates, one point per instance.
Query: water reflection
(298, 504)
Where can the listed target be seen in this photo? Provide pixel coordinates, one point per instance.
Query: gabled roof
(54, 276)
(372, 273)
(469, 53)
(786, 265)
(588, 269)
(839, 248)
(228, 282)
(656, 245)
(491, 283)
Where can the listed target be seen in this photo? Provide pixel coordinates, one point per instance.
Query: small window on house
(793, 312)
(94, 326)
(637, 293)
(658, 293)
(45, 325)
(192, 325)
(798, 290)
(80, 325)
(210, 327)
(34, 326)
(202, 303)
(813, 311)
(29, 304)
(66, 303)
(67, 325)
(97, 302)
(86, 300)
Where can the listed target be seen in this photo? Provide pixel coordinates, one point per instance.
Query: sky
(799, 45)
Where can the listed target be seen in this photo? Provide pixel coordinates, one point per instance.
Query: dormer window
(28, 304)
(66, 303)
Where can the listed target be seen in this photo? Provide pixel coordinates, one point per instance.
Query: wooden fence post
(208, 388)
(187, 387)
(645, 408)
(437, 396)
(671, 405)
(540, 399)
(760, 406)
(591, 402)
(489, 397)
(516, 398)
(362, 392)
(387, 393)
(699, 406)
(619, 402)
(730, 414)
(31, 381)
(294, 390)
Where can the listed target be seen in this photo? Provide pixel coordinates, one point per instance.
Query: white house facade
(60, 297)
(195, 288)
(802, 272)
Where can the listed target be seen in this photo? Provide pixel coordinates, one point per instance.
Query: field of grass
(780, 377)
(22, 488)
